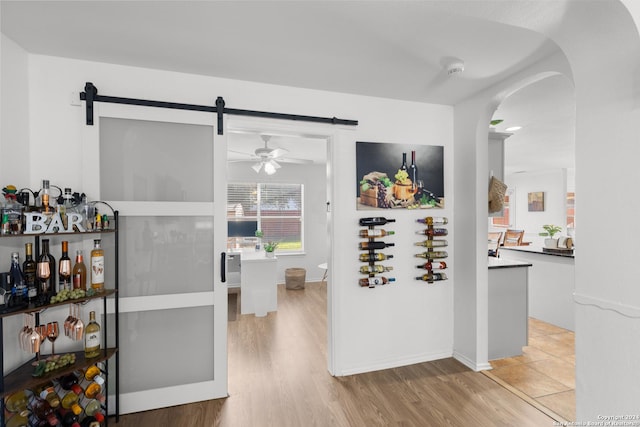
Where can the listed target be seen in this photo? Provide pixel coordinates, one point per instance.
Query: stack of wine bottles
(371, 245)
(433, 245)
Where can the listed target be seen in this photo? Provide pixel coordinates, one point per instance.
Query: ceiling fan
(268, 158)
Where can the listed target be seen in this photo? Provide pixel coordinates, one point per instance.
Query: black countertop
(536, 250)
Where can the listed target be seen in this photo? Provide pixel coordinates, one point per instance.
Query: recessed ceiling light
(513, 128)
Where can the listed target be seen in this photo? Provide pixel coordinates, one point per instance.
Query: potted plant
(269, 247)
(550, 231)
(259, 235)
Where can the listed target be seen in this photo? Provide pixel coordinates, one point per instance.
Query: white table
(258, 287)
(325, 267)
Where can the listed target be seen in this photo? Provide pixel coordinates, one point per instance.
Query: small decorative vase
(550, 243)
(269, 254)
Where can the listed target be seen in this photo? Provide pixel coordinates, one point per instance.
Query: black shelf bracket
(90, 95)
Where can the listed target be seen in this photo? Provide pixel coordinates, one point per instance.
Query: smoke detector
(455, 68)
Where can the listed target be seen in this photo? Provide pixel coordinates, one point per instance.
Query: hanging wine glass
(52, 334)
(42, 333)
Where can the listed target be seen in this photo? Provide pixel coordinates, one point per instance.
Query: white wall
(316, 235)
(554, 184)
(373, 328)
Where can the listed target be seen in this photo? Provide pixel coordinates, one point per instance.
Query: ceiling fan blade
(297, 161)
(256, 167)
(241, 153)
(278, 152)
(275, 164)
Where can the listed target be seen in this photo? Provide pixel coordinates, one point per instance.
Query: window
(506, 219)
(276, 208)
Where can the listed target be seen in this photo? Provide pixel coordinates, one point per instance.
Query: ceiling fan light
(256, 167)
(269, 168)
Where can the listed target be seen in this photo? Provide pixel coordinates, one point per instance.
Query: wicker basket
(295, 278)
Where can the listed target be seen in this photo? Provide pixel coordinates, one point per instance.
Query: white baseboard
(470, 363)
(394, 363)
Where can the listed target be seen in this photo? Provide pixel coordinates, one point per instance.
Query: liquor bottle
(376, 268)
(92, 337)
(42, 411)
(429, 265)
(432, 277)
(433, 232)
(404, 162)
(88, 214)
(29, 271)
(97, 267)
(64, 267)
(369, 257)
(413, 172)
(432, 243)
(18, 288)
(375, 245)
(79, 272)
(50, 285)
(66, 207)
(433, 220)
(376, 232)
(375, 221)
(45, 198)
(373, 281)
(95, 387)
(432, 255)
(17, 402)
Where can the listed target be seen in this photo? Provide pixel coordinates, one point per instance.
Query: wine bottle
(377, 280)
(17, 402)
(94, 387)
(374, 245)
(71, 417)
(432, 243)
(47, 392)
(29, 272)
(64, 267)
(432, 220)
(50, 285)
(404, 162)
(432, 277)
(97, 267)
(91, 372)
(432, 255)
(376, 268)
(378, 220)
(92, 337)
(433, 232)
(429, 265)
(369, 257)
(79, 272)
(92, 406)
(94, 420)
(18, 420)
(375, 232)
(18, 288)
(42, 411)
(413, 172)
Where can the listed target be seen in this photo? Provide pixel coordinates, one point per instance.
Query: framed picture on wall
(535, 201)
(399, 176)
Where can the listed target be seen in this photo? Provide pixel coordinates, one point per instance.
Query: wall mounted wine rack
(434, 253)
(370, 256)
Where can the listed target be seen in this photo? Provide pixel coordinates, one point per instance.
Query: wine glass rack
(434, 252)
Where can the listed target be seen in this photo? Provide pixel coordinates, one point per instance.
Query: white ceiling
(389, 49)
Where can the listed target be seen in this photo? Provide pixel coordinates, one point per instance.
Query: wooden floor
(546, 370)
(278, 377)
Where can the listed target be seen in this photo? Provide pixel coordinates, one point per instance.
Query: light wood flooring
(545, 372)
(278, 377)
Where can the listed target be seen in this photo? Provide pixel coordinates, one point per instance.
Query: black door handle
(223, 267)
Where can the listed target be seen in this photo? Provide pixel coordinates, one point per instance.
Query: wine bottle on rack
(92, 337)
(97, 267)
(64, 268)
(432, 243)
(79, 272)
(433, 220)
(433, 255)
(49, 288)
(376, 268)
(375, 232)
(29, 267)
(373, 281)
(375, 221)
(374, 245)
(94, 420)
(42, 411)
(429, 265)
(47, 392)
(370, 257)
(433, 232)
(413, 172)
(432, 277)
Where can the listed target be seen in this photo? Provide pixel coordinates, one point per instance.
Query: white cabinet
(257, 275)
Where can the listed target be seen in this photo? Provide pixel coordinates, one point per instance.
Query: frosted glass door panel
(166, 255)
(148, 161)
(165, 348)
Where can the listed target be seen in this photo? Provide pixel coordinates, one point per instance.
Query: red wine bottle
(375, 221)
(429, 265)
(373, 281)
(433, 232)
(374, 245)
(413, 172)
